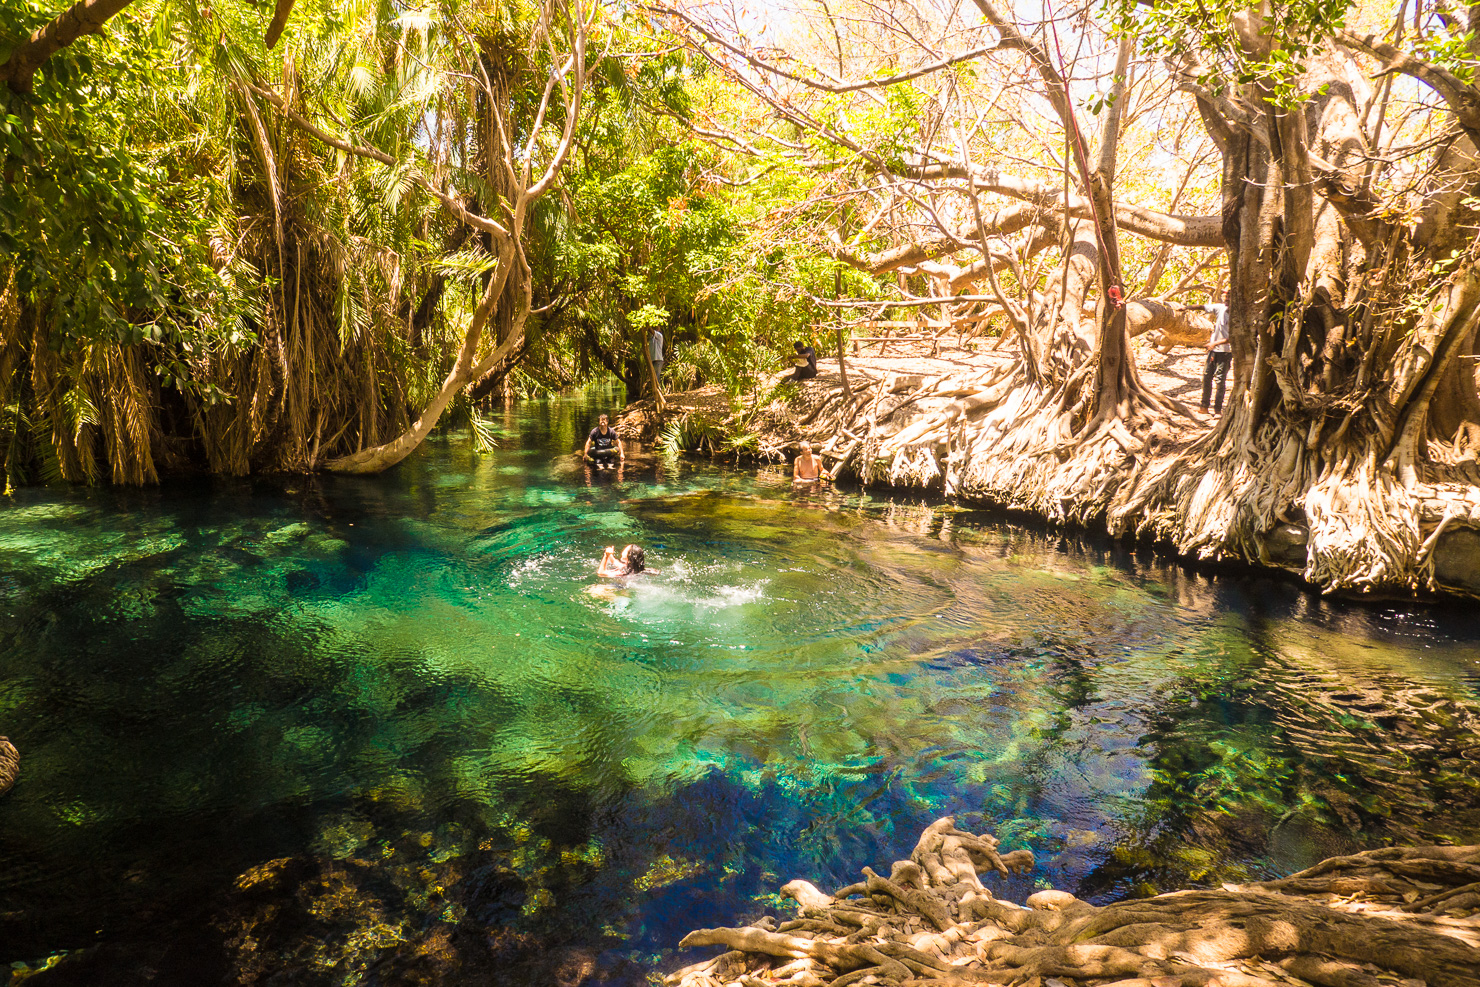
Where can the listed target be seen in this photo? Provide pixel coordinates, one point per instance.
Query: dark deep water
(379, 731)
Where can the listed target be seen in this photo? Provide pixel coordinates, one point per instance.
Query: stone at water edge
(10, 764)
(1457, 558)
(1286, 543)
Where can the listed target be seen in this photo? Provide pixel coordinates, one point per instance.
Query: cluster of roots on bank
(1398, 916)
(1328, 508)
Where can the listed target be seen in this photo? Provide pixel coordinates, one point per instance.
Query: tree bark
(510, 168)
(279, 21)
(82, 18)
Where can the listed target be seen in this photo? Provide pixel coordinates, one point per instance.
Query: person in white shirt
(1220, 355)
(655, 350)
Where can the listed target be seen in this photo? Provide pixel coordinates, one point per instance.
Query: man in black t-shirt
(603, 442)
(806, 362)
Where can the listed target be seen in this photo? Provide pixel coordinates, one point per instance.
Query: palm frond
(485, 433)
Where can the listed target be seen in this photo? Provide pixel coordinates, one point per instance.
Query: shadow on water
(381, 731)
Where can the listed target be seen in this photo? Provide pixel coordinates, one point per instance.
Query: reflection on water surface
(381, 730)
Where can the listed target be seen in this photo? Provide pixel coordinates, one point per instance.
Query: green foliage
(102, 234)
(1454, 51)
(646, 247)
(893, 131)
(197, 269)
(1206, 32)
(141, 230)
(485, 433)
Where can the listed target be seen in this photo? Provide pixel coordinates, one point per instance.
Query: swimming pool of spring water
(388, 730)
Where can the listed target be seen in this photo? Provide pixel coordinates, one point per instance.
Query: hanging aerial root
(1385, 917)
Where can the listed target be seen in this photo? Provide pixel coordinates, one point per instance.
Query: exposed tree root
(1405, 916)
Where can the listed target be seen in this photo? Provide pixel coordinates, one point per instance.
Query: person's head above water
(632, 559)
(806, 447)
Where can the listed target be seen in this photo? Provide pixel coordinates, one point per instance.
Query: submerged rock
(10, 764)
(394, 915)
(301, 581)
(1285, 544)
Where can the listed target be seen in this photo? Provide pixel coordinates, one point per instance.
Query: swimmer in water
(807, 468)
(608, 447)
(632, 561)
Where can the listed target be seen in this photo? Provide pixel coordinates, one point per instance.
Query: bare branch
(1182, 230)
(833, 86)
(1110, 132)
(279, 21)
(1462, 98)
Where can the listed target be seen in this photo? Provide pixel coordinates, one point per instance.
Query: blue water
(343, 730)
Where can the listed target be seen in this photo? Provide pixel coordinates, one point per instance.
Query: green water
(344, 730)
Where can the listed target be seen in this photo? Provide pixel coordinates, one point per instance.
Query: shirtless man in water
(807, 468)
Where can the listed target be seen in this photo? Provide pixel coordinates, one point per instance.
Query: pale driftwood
(1411, 918)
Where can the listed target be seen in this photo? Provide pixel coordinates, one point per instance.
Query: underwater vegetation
(344, 731)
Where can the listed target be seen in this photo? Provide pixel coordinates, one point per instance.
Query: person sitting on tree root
(632, 561)
(806, 362)
(807, 468)
(1220, 354)
(606, 444)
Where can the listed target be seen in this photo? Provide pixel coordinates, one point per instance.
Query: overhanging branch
(1462, 98)
(82, 18)
(1174, 228)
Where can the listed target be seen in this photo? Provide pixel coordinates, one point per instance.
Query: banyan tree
(979, 156)
(275, 238)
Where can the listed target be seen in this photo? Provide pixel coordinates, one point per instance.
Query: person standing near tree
(1220, 354)
(805, 361)
(655, 351)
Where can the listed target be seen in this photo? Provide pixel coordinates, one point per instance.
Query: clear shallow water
(319, 726)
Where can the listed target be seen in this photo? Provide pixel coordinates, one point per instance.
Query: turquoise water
(391, 730)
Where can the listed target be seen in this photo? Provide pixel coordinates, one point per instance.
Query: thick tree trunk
(509, 169)
(485, 385)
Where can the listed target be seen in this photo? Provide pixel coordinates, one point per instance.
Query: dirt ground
(1177, 375)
